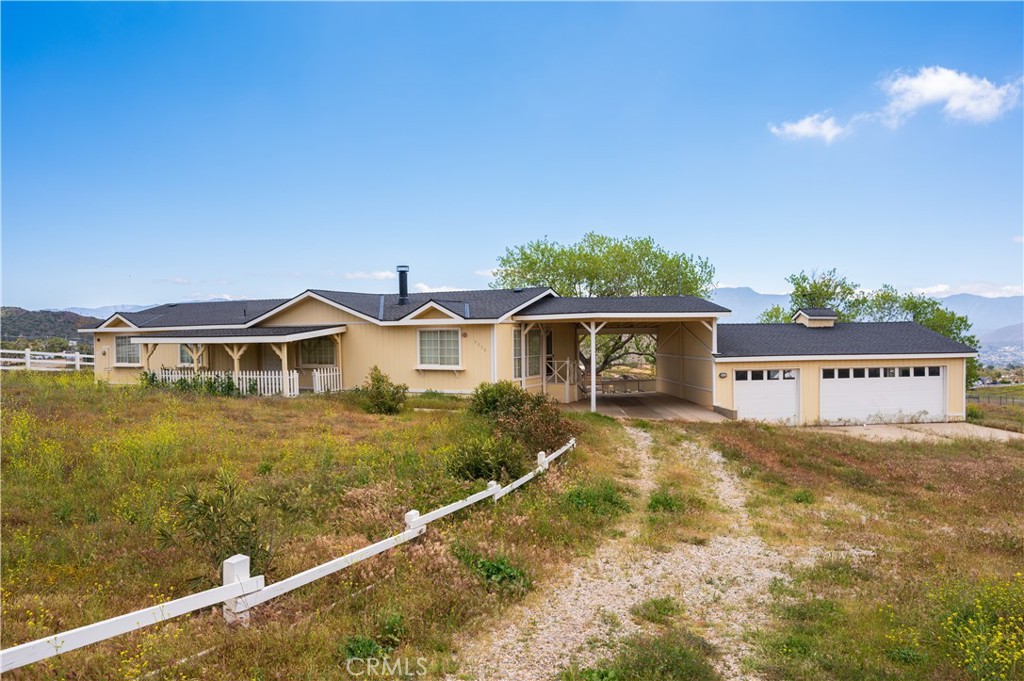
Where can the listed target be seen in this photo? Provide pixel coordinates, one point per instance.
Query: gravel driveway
(723, 587)
(923, 432)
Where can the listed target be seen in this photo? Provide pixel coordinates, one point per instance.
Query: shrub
(498, 573)
(483, 457)
(539, 425)
(663, 501)
(495, 399)
(599, 498)
(379, 395)
(975, 414)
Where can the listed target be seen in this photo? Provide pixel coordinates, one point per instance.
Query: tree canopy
(886, 304)
(600, 265)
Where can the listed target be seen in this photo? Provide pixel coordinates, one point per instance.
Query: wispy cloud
(1018, 239)
(427, 288)
(979, 288)
(177, 281)
(376, 276)
(485, 273)
(202, 297)
(815, 126)
(962, 96)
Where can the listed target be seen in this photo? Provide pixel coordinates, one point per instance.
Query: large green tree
(886, 304)
(600, 265)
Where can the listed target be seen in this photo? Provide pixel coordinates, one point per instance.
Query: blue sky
(175, 151)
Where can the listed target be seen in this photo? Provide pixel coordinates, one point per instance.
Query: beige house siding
(685, 361)
(810, 381)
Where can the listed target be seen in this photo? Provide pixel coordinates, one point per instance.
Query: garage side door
(767, 395)
(883, 394)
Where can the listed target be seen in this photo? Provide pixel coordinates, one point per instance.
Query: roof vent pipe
(403, 284)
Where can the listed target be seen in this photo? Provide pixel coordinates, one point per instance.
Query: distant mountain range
(16, 323)
(988, 315)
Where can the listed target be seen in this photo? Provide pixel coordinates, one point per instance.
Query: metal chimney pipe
(403, 284)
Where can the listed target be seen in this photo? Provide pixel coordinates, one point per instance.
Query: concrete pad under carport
(922, 432)
(649, 406)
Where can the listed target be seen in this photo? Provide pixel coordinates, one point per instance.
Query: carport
(685, 328)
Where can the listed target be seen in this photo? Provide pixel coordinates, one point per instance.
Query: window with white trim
(534, 349)
(441, 348)
(125, 352)
(317, 351)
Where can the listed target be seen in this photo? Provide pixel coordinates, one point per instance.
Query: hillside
(16, 322)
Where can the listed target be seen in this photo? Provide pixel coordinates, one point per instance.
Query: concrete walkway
(650, 406)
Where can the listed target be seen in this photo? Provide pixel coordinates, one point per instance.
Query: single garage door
(767, 395)
(883, 394)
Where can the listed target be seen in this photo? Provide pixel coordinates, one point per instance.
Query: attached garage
(768, 395)
(883, 394)
(818, 371)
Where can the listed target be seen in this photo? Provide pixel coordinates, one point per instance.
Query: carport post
(593, 328)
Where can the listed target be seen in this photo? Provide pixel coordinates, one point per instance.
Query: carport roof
(634, 306)
(851, 338)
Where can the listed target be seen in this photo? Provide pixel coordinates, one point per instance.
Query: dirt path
(723, 587)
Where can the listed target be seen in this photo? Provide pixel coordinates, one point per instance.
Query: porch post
(236, 351)
(337, 359)
(593, 328)
(281, 350)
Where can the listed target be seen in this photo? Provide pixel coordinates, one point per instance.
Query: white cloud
(1018, 239)
(202, 297)
(815, 126)
(426, 288)
(963, 97)
(377, 276)
(986, 289)
(486, 273)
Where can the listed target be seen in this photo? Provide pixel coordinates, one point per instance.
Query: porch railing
(247, 382)
(327, 380)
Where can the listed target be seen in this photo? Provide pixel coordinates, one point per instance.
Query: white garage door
(767, 395)
(883, 394)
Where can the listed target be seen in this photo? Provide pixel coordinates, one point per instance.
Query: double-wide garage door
(883, 394)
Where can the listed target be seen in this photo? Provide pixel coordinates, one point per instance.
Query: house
(813, 370)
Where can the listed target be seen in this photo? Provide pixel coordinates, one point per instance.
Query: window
(858, 373)
(919, 371)
(828, 373)
(741, 375)
(788, 375)
(889, 372)
(317, 351)
(125, 352)
(757, 375)
(904, 372)
(874, 373)
(186, 359)
(533, 352)
(842, 373)
(440, 348)
(934, 371)
(773, 374)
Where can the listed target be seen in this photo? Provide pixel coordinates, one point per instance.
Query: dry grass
(891, 524)
(90, 472)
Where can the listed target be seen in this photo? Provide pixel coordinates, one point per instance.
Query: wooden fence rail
(33, 360)
(241, 592)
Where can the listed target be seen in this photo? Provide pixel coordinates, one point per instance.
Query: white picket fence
(327, 380)
(241, 592)
(247, 382)
(45, 361)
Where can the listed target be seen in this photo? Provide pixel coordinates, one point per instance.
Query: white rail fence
(33, 360)
(247, 382)
(240, 592)
(327, 380)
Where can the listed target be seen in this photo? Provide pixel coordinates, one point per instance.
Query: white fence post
(28, 358)
(236, 569)
(78, 361)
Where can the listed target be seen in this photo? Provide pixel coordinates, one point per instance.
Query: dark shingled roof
(639, 305)
(819, 312)
(485, 304)
(211, 313)
(251, 332)
(852, 338)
